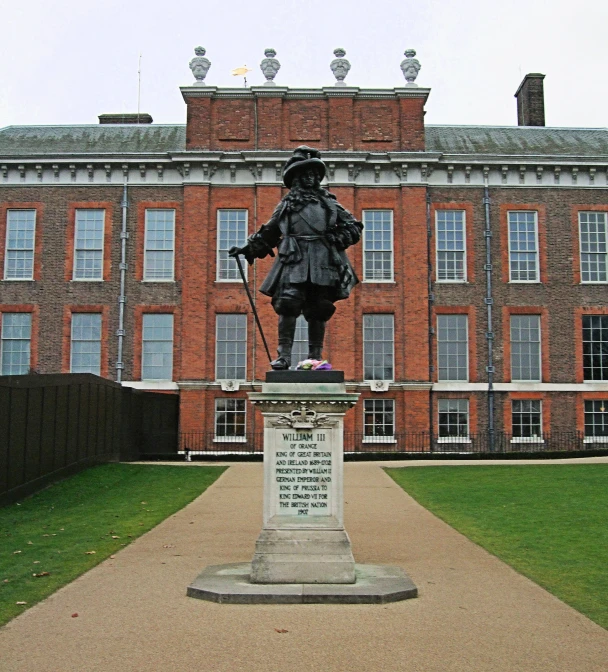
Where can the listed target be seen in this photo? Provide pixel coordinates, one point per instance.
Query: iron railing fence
(199, 443)
(479, 442)
(210, 442)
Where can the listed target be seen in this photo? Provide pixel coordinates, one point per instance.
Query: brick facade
(378, 158)
(328, 119)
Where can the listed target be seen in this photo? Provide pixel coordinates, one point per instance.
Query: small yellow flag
(241, 71)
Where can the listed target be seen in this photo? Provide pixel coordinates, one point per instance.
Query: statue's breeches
(305, 298)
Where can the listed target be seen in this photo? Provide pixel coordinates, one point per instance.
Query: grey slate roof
(30, 141)
(518, 140)
(94, 139)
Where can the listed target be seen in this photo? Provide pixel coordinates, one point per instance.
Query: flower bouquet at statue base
(313, 365)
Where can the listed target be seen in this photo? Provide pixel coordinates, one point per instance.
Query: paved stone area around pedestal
(374, 584)
(473, 613)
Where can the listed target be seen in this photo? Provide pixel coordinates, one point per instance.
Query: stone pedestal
(303, 554)
(303, 538)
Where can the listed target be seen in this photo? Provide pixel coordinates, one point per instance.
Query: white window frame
(391, 249)
(458, 438)
(439, 368)
(536, 244)
(592, 438)
(100, 315)
(540, 348)
(6, 248)
(237, 277)
(217, 341)
(3, 340)
(143, 342)
(366, 344)
(75, 277)
(145, 271)
(439, 211)
(378, 438)
(535, 438)
(588, 345)
(229, 438)
(599, 254)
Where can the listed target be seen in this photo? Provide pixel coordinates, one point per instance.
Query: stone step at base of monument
(374, 584)
(303, 556)
(298, 569)
(277, 542)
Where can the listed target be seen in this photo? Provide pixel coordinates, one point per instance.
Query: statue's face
(198, 68)
(341, 69)
(411, 69)
(307, 178)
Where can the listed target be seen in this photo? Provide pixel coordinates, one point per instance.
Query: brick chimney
(141, 118)
(531, 101)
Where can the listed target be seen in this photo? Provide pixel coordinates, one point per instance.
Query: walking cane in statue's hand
(234, 252)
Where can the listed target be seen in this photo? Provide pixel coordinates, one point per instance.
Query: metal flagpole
(255, 312)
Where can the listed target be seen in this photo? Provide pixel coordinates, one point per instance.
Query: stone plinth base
(303, 556)
(305, 377)
(375, 584)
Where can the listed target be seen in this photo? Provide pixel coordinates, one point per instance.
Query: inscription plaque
(303, 470)
(303, 473)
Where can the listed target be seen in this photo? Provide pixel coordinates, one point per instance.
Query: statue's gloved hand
(245, 251)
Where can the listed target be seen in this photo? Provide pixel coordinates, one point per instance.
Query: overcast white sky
(67, 61)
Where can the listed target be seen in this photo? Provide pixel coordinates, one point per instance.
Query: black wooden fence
(54, 425)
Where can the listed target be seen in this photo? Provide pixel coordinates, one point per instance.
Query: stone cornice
(289, 93)
(249, 167)
(341, 91)
(269, 91)
(198, 91)
(392, 386)
(521, 387)
(216, 385)
(561, 159)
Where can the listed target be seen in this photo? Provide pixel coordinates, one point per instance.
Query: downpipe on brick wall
(489, 301)
(254, 268)
(122, 299)
(429, 263)
(255, 277)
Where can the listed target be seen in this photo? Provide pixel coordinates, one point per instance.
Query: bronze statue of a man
(310, 230)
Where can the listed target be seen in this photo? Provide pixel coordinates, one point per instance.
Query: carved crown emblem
(302, 418)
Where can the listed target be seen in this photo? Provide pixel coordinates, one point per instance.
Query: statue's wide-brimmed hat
(303, 157)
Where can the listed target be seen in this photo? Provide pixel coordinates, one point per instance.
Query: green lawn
(66, 529)
(548, 522)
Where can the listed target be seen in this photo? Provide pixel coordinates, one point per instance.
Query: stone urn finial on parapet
(199, 66)
(270, 66)
(340, 66)
(410, 67)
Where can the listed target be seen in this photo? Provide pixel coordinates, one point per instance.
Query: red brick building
(483, 264)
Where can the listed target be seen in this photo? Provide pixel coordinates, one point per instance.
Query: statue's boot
(287, 330)
(316, 335)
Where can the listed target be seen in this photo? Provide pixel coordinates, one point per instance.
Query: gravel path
(473, 613)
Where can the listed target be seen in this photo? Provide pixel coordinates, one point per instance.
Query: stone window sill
(528, 439)
(379, 439)
(453, 439)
